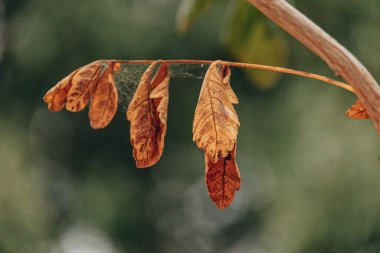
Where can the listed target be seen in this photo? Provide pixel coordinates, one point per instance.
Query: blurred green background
(310, 176)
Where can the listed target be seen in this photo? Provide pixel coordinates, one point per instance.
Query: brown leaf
(104, 102)
(147, 113)
(357, 111)
(160, 97)
(222, 179)
(215, 125)
(56, 97)
(83, 85)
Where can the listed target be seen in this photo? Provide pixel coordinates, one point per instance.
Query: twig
(338, 58)
(251, 66)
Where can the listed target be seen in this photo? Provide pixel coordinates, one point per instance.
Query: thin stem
(251, 66)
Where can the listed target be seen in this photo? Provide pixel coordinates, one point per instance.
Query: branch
(338, 58)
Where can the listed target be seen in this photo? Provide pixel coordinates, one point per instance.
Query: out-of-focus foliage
(188, 11)
(310, 174)
(23, 209)
(247, 34)
(251, 37)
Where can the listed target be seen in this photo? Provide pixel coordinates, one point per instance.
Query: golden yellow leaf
(222, 179)
(83, 86)
(56, 97)
(357, 111)
(103, 105)
(215, 125)
(147, 114)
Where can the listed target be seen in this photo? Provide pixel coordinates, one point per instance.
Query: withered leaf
(357, 111)
(215, 125)
(94, 81)
(103, 105)
(83, 86)
(56, 97)
(160, 97)
(222, 179)
(147, 113)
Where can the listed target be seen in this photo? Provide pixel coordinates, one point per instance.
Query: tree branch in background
(338, 58)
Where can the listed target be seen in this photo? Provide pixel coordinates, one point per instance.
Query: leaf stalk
(252, 66)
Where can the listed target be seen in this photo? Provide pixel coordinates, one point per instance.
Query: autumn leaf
(357, 111)
(222, 179)
(160, 97)
(83, 86)
(215, 129)
(56, 97)
(147, 114)
(94, 81)
(103, 105)
(215, 125)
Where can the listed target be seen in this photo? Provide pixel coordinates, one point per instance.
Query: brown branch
(338, 58)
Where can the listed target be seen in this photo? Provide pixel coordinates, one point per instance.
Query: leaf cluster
(215, 125)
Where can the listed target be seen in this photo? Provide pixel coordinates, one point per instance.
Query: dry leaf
(147, 113)
(215, 125)
(103, 105)
(56, 97)
(95, 81)
(215, 129)
(357, 111)
(222, 179)
(83, 86)
(160, 97)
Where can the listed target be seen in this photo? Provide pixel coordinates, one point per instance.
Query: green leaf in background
(188, 11)
(250, 37)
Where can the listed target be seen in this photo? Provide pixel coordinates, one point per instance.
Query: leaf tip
(222, 179)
